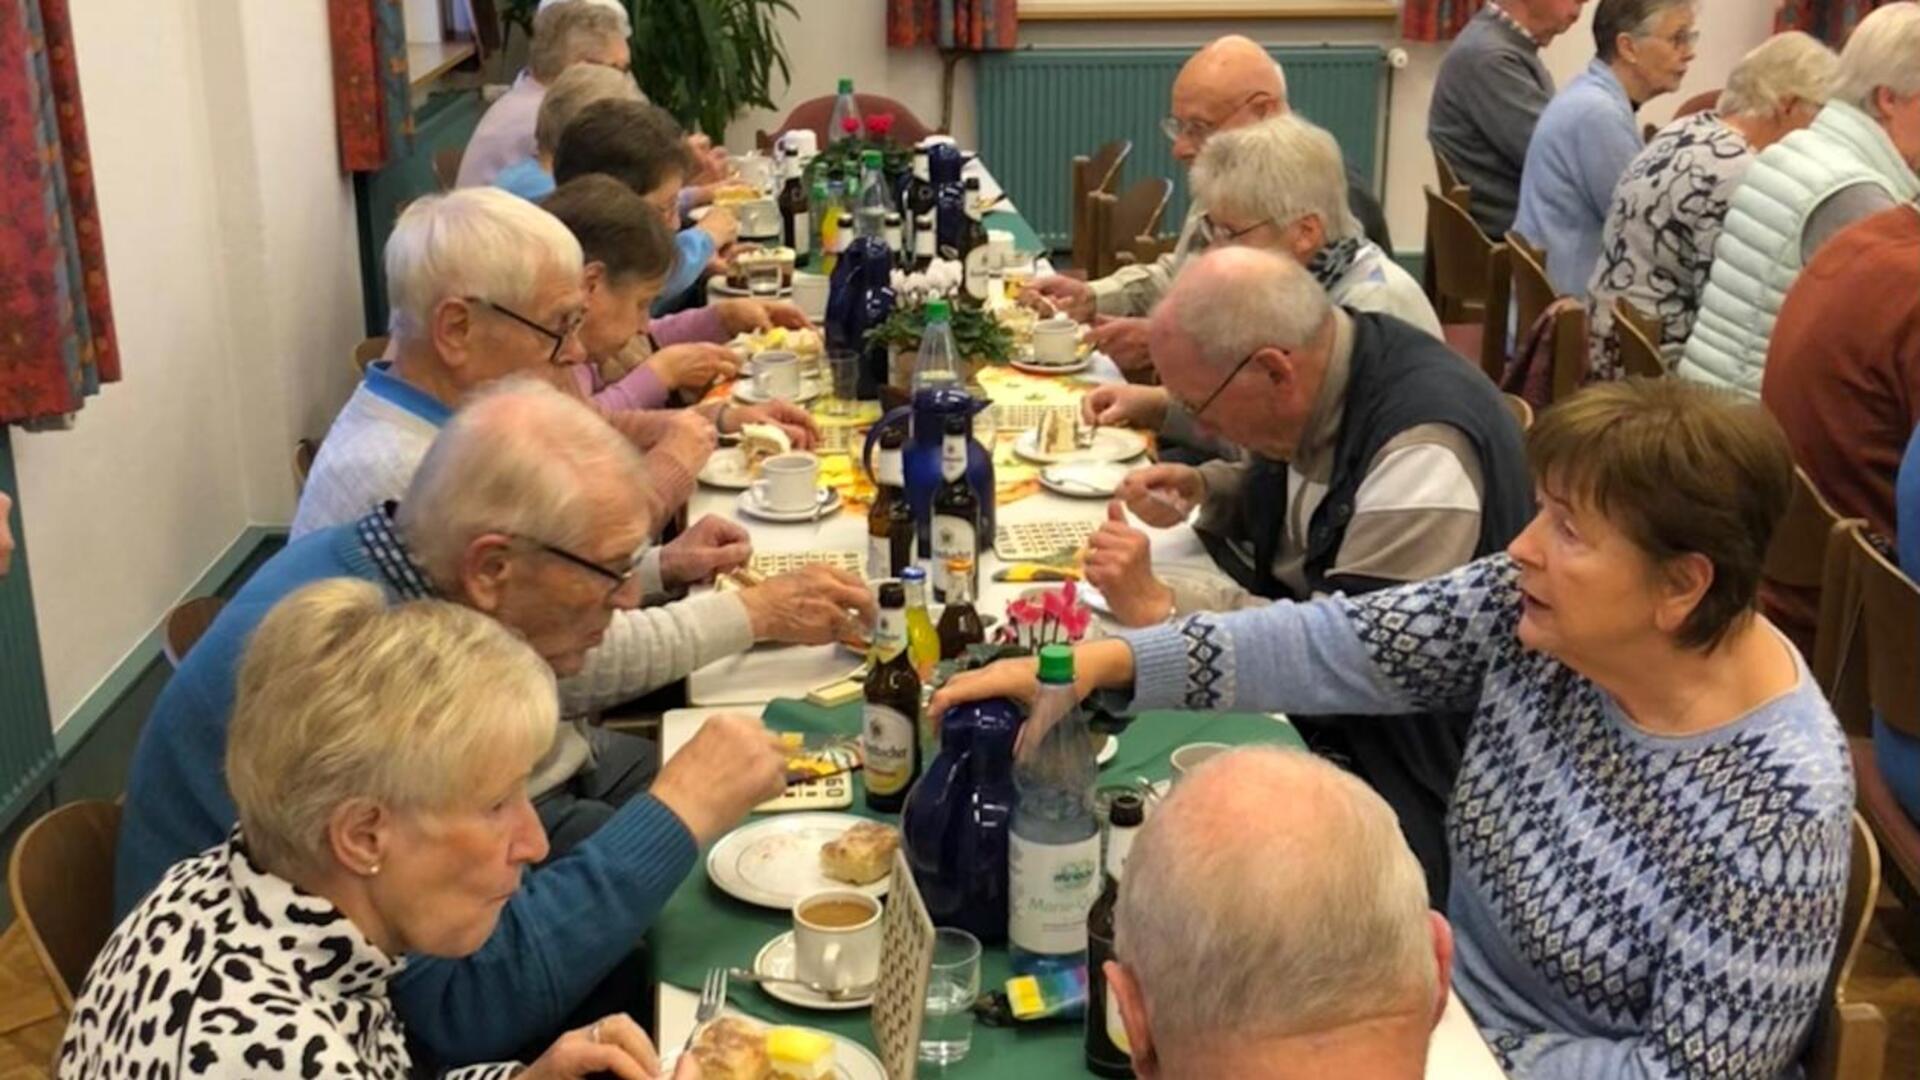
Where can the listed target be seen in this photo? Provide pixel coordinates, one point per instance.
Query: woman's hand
(741, 316)
(721, 224)
(613, 1044)
(1106, 664)
(693, 366)
(790, 418)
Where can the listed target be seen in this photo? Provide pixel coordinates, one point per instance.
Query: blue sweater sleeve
(570, 923)
(1907, 507)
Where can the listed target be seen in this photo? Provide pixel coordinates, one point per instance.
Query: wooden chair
(1698, 103)
(1100, 172)
(1638, 335)
(304, 452)
(1118, 220)
(446, 166)
(1850, 1037)
(1533, 293)
(367, 352)
(1470, 283)
(61, 882)
(1839, 659)
(816, 113)
(1521, 410)
(1452, 188)
(185, 623)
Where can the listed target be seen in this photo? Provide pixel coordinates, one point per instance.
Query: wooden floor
(30, 1022)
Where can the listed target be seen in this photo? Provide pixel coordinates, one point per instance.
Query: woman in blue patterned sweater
(1650, 827)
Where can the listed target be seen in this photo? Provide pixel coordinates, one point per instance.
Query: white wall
(835, 37)
(231, 255)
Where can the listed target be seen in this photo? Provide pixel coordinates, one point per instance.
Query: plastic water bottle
(1053, 858)
(937, 367)
(843, 106)
(876, 201)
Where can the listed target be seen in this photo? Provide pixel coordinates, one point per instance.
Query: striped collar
(389, 554)
(1513, 24)
(383, 383)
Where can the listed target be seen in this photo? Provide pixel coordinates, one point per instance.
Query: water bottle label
(1051, 889)
(953, 538)
(802, 233)
(886, 743)
(1116, 1030)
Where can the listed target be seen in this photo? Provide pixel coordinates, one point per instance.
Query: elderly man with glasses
(1230, 83)
(1375, 457)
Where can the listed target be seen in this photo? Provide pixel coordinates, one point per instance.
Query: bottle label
(887, 746)
(1116, 1029)
(1119, 846)
(802, 234)
(889, 469)
(879, 557)
(977, 266)
(953, 538)
(890, 634)
(1051, 888)
(953, 457)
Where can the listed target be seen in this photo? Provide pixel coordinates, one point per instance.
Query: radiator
(1039, 107)
(26, 735)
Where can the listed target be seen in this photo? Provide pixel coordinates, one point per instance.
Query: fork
(713, 997)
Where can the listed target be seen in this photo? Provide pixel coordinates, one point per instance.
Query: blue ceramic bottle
(957, 819)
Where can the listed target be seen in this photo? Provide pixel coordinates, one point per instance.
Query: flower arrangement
(1046, 617)
(978, 335)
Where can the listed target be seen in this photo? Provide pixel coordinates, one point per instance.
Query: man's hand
(790, 418)
(814, 605)
(1126, 405)
(713, 545)
(741, 316)
(6, 534)
(1120, 564)
(1163, 495)
(731, 765)
(1124, 339)
(1070, 296)
(720, 224)
(693, 366)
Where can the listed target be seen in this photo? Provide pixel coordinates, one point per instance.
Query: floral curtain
(57, 342)
(964, 25)
(1828, 20)
(1436, 20)
(372, 95)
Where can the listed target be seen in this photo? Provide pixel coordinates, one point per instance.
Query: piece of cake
(1059, 431)
(861, 855)
(783, 257)
(730, 1049)
(758, 442)
(799, 1054)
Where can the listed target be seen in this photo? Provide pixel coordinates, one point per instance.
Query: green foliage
(976, 334)
(705, 61)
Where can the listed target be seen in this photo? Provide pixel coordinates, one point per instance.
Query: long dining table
(702, 927)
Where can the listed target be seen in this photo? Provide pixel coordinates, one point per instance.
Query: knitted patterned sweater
(1624, 904)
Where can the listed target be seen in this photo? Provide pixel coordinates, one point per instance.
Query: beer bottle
(956, 508)
(890, 532)
(1107, 1051)
(889, 722)
(796, 212)
(975, 252)
(960, 624)
(923, 238)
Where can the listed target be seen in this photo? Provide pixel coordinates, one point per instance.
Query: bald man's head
(1227, 84)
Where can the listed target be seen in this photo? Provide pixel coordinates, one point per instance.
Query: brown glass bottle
(890, 528)
(889, 721)
(956, 508)
(1107, 1053)
(960, 624)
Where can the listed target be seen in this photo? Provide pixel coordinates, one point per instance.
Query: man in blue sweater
(529, 508)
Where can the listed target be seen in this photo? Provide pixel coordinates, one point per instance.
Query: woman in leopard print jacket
(378, 756)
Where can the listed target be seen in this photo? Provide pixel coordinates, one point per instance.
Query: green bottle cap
(938, 311)
(1056, 663)
(846, 86)
(872, 159)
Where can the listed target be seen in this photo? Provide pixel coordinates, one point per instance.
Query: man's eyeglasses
(1197, 130)
(1222, 388)
(620, 579)
(568, 326)
(1217, 233)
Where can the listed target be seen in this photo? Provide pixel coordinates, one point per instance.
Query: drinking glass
(763, 279)
(843, 366)
(952, 984)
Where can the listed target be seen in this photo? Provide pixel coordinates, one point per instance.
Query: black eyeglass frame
(558, 337)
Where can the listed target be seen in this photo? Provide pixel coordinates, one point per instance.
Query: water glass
(952, 985)
(763, 279)
(843, 366)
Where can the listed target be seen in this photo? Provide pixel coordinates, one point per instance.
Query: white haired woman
(378, 756)
(1281, 185)
(564, 34)
(1651, 824)
(1657, 246)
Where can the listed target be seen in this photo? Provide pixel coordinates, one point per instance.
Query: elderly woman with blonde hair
(378, 756)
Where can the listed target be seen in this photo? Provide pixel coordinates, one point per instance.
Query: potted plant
(980, 338)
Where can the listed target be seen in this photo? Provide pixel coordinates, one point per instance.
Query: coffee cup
(1187, 758)
(776, 375)
(789, 483)
(837, 939)
(1056, 341)
(810, 294)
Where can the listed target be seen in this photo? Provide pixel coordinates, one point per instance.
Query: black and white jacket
(225, 970)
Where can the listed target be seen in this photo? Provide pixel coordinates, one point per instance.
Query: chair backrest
(1849, 1038)
(304, 452)
(814, 115)
(1637, 334)
(1099, 172)
(1698, 103)
(1461, 257)
(1116, 221)
(367, 352)
(1797, 555)
(1891, 605)
(1839, 659)
(1521, 410)
(1452, 188)
(446, 166)
(185, 623)
(1533, 294)
(1532, 289)
(61, 882)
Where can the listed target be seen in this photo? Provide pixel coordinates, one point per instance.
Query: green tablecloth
(703, 927)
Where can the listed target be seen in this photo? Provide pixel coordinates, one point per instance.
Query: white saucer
(1031, 368)
(718, 287)
(745, 393)
(1108, 750)
(749, 505)
(1077, 479)
(1109, 444)
(727, 468)
(776, 959)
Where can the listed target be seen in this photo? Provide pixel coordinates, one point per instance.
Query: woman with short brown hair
(1650, 829)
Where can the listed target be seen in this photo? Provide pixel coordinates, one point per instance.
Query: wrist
(1102, 665)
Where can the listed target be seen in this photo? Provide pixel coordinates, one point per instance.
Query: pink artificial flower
(850, 125)
(879, 125)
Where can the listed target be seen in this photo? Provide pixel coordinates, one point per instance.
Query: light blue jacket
(1581, 147)
(1757, 258)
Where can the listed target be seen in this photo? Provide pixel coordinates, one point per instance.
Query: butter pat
(799, 1054)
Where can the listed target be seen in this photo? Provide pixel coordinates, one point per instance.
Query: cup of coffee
(810, 294)
(789, 483)
(1055, 341)
(1187, 758)
(776, 375)
(836, 938)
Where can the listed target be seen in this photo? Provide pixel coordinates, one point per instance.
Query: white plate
(1108, 751)
(1032, 368)
(718, 286)
(775, 861)
(851, 1061)
(745, 393)
(1077, 479)
(750, 506)
(1109, 444)
(727, 468)
(776, 959)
